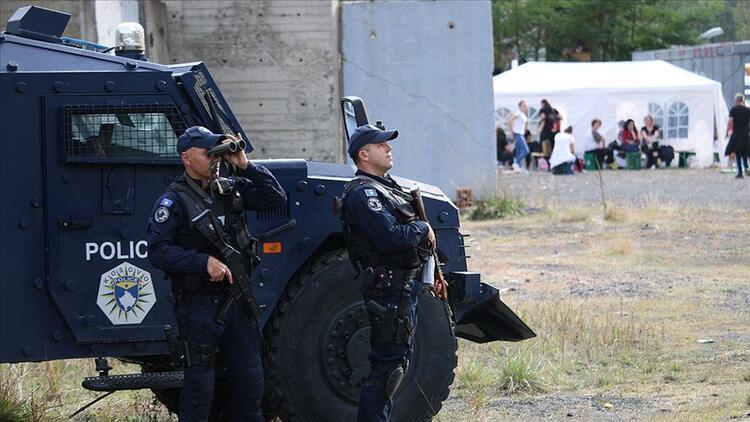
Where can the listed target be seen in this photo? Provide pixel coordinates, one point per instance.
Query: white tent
(686, 106)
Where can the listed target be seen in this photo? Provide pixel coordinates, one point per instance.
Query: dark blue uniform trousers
(239, 343)
(374, 404)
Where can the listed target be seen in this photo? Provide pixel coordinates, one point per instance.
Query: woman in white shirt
(517, 125)
(563, 155)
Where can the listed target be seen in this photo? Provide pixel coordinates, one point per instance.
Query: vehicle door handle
(79, 224)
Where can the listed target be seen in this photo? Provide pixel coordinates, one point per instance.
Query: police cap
(369, 134)
(197, 136)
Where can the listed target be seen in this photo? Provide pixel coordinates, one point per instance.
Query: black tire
(301, 380)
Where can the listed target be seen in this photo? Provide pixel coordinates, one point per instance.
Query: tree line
(606, 30)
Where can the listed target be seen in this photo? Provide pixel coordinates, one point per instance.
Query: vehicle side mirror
(354, 114)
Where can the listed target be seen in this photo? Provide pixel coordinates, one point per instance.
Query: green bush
(519, 372)
(497, 207)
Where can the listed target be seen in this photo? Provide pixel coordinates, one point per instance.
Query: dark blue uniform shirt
(367, 211)
(259, 190)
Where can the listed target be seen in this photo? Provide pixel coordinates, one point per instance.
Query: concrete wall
(277, 64)
(109, 14)
(425, 68)
(76, 8)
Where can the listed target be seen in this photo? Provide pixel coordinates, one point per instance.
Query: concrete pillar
(425, 68)
(277, 64)
(153, 17)
(110, 13)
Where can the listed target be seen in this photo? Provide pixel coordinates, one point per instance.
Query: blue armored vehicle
(88, 142)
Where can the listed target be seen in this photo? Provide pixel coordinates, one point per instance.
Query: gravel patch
(564, 406)
(707, 188)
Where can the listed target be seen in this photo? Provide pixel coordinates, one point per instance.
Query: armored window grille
(122, 133)
(204, 91)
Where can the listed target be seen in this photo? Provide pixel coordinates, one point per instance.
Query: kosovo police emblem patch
(126, 294)
(374, 204)
(161, 215)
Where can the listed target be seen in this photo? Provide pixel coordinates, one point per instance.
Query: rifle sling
(212, 231)
(383, 189)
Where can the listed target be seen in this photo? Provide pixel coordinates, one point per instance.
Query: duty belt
(402, 274)
(390, 324)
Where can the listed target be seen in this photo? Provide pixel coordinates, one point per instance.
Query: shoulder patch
(161, 214)
(166, 202)
(371, 193)
(374, 204)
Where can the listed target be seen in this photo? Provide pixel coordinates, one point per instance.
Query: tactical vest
(361, 251)
(227, 204)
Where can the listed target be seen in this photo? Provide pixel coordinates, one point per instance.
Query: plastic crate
(590, 162)
(633, 160)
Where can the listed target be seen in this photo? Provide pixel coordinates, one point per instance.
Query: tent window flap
(677, 119)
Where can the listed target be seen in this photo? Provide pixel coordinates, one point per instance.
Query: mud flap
(481, 316)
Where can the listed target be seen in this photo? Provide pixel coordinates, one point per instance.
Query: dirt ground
(642, 312)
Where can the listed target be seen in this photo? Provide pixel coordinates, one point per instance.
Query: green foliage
(12, 409)
(497, 207)
(740, 13)
(603, 30)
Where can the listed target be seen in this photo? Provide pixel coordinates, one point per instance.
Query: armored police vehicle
(88, 143)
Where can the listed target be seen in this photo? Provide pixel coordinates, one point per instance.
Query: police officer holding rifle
(388, 245)
(197, 235)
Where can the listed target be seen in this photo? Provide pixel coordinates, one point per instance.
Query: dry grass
(619, 303)
(51, 391)
(615, 214)
(618, 244)
(572, 214)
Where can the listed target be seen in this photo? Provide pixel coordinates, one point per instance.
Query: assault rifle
(440, 286)
(240, 289)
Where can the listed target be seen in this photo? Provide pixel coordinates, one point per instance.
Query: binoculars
(227, 147)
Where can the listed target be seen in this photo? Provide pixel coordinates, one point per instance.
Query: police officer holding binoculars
(218, 327)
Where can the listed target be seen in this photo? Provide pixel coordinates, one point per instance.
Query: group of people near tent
(689, 109)
(558, 147)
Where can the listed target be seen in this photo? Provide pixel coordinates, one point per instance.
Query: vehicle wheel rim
(345, 352)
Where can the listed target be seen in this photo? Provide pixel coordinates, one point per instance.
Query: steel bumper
(479, 313)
